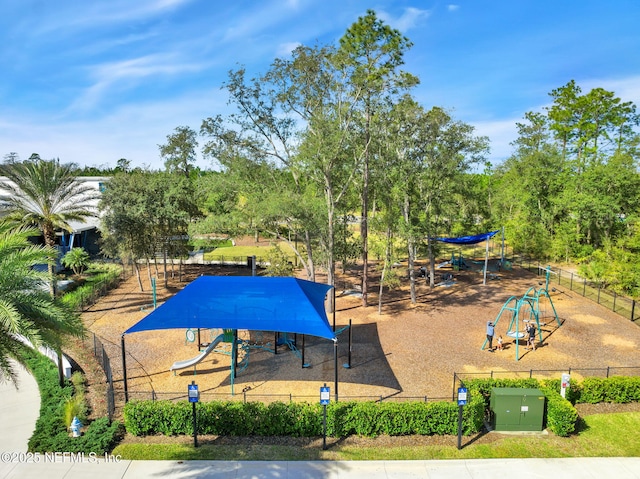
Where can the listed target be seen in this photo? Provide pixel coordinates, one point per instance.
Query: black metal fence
(604, 372)
(250, 396)
(622, 305)
(101, 355)
(89, 296)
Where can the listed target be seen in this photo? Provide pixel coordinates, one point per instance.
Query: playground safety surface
(409, 351)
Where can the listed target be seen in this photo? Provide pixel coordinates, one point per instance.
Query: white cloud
(285, 49)
(409, 19)
(452, 8)
(126, 74)
(64, 17)
(627, 89)
(501, 133)
(132, 131)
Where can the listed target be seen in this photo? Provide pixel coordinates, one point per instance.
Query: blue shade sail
(468, 239)
(256, 303)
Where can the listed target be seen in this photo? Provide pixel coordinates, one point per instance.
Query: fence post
(633, 308)
(454, 386)
(615, 296)
(599, 289)
(571, 283)
(584, 287)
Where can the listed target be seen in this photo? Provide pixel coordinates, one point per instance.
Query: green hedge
(370, 419)
(616, 389)
(143, 418)
(51, 433)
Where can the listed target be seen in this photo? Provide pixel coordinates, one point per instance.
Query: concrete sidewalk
(19, 411)
(570, 468)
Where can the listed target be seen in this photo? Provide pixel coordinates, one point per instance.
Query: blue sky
(94, 81)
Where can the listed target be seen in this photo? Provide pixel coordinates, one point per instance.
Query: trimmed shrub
(370, 419)
(616, 389)
(51, 433)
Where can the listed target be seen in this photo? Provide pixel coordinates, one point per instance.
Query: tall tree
(46, 194)
(278, 115)
(126, 230)
(26, 309)
(447, 149)
(146, 215)
(315, 90)
(371, 54)
(179, 152)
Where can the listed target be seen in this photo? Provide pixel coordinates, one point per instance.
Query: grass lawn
(601, 435)
(240, 253)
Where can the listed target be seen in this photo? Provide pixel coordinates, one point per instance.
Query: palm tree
(45, 194)
(27, 310)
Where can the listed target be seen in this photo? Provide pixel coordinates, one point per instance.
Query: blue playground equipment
(535, 305)
(459, 262)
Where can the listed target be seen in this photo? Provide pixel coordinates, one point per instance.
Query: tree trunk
(411, 249)
(311, 268)
(50, 241)
(149, 270)
(164, 266)
(138, 277)
(387, 262)
(364, 230)
(432, 264)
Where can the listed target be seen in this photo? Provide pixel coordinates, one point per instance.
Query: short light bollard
(75, 427)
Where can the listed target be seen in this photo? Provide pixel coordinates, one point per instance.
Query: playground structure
(238, 345)
(534, 306)
(223, 342)
(200, 357)
(282, 305)
(459, 262)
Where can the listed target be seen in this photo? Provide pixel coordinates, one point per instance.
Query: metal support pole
(334, 309)
(460, 427)
(324, 427)
(335, 366)
(348, 365)
(124, 369)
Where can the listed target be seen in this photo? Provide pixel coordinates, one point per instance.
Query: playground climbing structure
(534, 306)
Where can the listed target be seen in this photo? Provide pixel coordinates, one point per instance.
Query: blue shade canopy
(255, 303)
(468, 239)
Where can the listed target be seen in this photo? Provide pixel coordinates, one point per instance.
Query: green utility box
(517, 409)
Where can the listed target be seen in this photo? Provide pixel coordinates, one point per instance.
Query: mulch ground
(406, 351)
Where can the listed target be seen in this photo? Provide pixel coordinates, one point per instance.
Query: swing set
(534, 306)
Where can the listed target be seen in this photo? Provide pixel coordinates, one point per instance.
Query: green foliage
(26, 308)
(51, 433)
(279, 263)
(147, 214)
(100, 278)
(75, 406)
(144, 418)
(77, 259)
(615, 389)
(561, 415)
